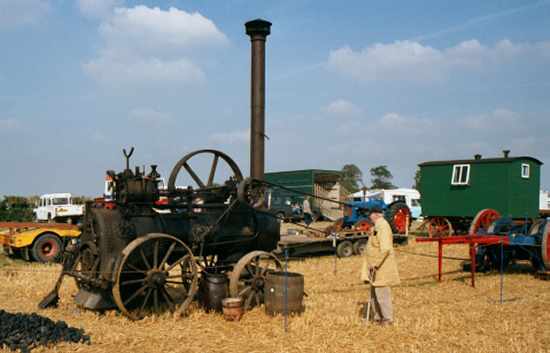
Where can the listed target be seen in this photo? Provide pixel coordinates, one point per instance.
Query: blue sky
(370, 83)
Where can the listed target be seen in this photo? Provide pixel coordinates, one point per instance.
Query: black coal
(26, 331)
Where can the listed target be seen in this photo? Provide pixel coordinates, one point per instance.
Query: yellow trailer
(41, 242)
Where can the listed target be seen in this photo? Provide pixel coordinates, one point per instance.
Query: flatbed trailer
(345, 243)
(42, 242)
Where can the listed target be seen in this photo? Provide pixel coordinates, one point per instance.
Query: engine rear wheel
(47, 248)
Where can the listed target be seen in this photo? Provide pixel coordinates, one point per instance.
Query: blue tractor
(356, 214)
(526, 240)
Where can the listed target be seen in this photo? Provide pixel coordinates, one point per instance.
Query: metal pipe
(258, 30)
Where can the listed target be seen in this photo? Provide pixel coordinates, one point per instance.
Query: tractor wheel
(483, 220)
(399, 217)
(344, 249)
(359, 246)
(47, 248)
(437, 227)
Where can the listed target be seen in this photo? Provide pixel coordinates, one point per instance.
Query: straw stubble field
(430, 316)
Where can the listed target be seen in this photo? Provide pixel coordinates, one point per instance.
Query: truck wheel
(344, 249)
(359, 246)
(47, 248)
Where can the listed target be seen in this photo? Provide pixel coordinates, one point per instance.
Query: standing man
(380, 268)
(306, 209)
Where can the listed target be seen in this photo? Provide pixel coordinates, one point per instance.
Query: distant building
(544, 201)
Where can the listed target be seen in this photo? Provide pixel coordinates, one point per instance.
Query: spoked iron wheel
(438, 227)
(249, 276)
(208, 182)
(157, 273)
(483, 221)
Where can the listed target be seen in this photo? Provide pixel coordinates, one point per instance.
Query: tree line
(380, 178)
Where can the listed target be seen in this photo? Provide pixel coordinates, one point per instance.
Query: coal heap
(26, 331)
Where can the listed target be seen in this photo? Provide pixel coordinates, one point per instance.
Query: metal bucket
(213, 289)
(275, 293)
(232, 309)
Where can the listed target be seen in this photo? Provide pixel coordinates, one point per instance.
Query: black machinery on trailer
(144, 251)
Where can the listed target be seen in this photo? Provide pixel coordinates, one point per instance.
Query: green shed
(461, 188)
(319, 182)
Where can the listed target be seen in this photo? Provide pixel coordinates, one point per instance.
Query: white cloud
(98, 8)
(150, 116)
(122, 70)
(341, 107)
(413, 61)
(143, 45)
(231, 137)
(22, 12)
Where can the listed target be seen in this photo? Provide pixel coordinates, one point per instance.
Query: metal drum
(275, 293)
(213, 289)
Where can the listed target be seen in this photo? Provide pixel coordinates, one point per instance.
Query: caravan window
(461, 174)
(525, 172)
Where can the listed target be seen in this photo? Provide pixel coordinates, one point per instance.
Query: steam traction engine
(144, 250)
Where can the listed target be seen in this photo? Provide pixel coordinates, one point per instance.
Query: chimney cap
(506, 153)
(477, 157)
(258, 27)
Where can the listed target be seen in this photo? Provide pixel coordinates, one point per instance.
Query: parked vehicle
(58, 208)
(321, 183)
(396, 213)
(36, 241)
(410, 197)
(286, 208)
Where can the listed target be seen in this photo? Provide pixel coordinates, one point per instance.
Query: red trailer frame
(472, 240)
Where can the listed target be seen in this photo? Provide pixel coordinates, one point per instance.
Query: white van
(58, 208)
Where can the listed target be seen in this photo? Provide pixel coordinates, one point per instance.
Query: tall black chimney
(258, 30)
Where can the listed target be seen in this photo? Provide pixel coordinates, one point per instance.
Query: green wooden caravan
(457, 190)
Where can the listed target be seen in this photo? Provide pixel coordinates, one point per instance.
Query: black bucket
(275, 293)
(213, 289)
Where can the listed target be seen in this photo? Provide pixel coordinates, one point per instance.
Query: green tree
(351, 177)
(381, 178)
(416, 184)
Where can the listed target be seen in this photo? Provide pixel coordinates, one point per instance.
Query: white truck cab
(58, 207)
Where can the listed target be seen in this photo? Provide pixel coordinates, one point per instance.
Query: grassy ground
(430, 316)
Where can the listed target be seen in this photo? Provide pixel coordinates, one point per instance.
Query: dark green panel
(524, 191)
(495, 184)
